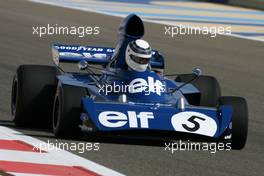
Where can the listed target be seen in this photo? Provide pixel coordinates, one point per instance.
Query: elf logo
(114, 119)
(150, 85)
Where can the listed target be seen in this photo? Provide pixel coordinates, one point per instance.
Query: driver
(138, 55)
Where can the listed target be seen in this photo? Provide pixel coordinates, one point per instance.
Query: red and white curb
(19, 156)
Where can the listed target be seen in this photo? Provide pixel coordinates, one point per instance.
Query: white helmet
(138, 54)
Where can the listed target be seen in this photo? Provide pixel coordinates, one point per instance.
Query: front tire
(33, 91)
(239, 120)
(67, 109)
(208, 86)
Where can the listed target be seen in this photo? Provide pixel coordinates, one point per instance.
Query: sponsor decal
(84, 48)
(141, 85)
(70, 54)
(96, 55)
(115, 119)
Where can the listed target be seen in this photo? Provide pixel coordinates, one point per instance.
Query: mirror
(83, 65)
(197, 71)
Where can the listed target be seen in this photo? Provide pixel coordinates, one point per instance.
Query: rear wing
(94, 55)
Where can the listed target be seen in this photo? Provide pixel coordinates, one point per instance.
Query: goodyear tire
(33, 91)
(208, 86)
(67, 109)
(239, 120)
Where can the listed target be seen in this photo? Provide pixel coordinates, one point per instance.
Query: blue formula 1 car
(119, 99)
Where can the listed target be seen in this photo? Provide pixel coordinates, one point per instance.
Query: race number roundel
(194, 122)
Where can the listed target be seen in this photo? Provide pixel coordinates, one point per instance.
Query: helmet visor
(140, 60)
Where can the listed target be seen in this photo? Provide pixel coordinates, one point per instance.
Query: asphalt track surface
(237, 63)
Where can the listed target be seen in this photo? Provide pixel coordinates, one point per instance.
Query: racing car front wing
(112, 116)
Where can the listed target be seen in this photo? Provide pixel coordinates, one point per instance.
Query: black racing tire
(239, 120)
(67, 109)
(33, 91)
(208, 86)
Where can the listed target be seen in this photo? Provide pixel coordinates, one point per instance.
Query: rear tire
(33, 91)
(208, 86)
(67, 109)
(239, 120)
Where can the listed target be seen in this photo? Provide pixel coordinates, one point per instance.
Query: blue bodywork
(154, 107)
